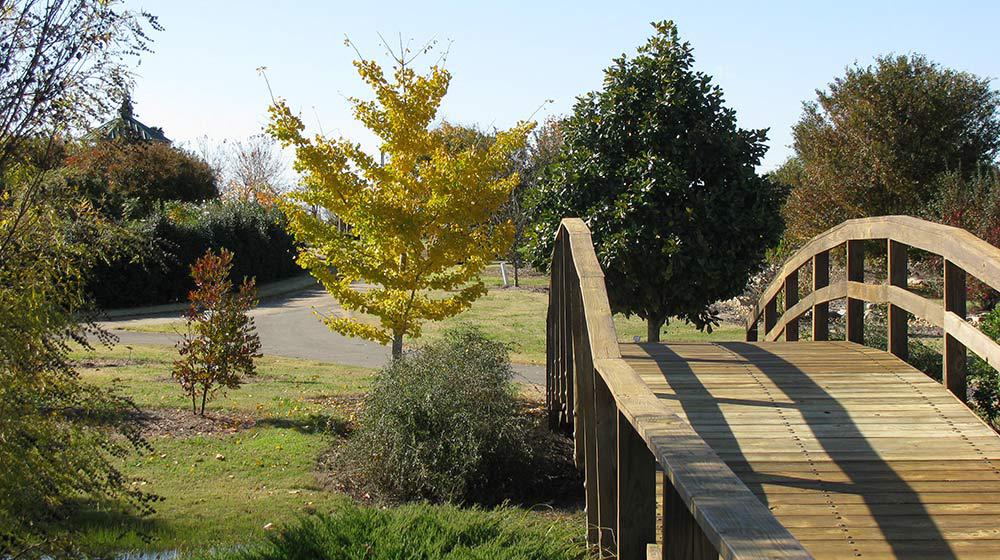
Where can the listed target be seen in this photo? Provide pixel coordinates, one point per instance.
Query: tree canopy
(145, 173)
(878, 140)
(656, 165)
(420, 227)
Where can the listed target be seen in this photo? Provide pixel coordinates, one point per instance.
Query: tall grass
(419, 532)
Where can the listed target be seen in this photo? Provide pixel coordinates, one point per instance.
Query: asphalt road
(288, 326)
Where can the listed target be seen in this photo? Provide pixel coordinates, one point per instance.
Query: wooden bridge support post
(855, 307)
(636, 493)
(683, 538)
(791, 298)
(897, 334)
(953, 373)
(821, 311)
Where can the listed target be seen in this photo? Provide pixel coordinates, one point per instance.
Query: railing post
(683, 538)
(770, 315)
(585, 425)
(791, 298)
(752, 330)
(855, 307)
(552, 349)
(636, 493)
(897, 334)
(954, 351)
(821, 311)
(607, 464)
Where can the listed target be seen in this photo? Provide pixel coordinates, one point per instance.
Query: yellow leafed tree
(420, 225)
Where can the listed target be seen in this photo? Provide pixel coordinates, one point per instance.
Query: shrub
(174, 239)
(419, 532)
(220, 344)
(443, 423)
(972, 204)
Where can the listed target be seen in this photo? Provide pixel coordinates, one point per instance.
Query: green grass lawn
(221, 488)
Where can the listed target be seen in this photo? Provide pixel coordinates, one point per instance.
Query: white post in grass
(503, 273)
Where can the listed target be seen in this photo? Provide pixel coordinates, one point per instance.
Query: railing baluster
(855, 307)
(552, 350)
(821, 311)
(770, 315)
(954, 351)
(607, 464)
(897, 334)
(791, 298)
(683, 538)
(636, 493)
(752, 331)
(583, 372)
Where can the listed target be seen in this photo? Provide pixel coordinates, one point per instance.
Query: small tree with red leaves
(221, 342)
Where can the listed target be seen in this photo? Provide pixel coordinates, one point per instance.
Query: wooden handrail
(622, 431)
(963, 253)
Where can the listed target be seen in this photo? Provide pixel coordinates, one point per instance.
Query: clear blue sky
(508, 57)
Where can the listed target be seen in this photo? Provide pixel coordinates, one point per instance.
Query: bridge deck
(855, 452)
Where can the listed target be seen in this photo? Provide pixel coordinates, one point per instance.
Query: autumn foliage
(221, 342)
(420, 227)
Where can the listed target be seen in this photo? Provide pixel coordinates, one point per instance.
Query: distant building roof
(127, 127)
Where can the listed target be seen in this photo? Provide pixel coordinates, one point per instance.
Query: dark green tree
(878, 139)
(656, 165)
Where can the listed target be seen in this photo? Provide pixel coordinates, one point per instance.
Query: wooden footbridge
(782, 449)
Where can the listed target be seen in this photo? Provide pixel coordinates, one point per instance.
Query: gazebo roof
(127, 127)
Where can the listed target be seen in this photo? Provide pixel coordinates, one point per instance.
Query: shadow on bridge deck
(855, 452)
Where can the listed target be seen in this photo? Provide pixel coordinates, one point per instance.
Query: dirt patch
(532, 289)
(182, 423)
(347, 407)
(98, 363)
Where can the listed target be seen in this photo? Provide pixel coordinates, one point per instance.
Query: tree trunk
(397, 345)
(653, 327)
(204, 397)
(517, 280)
(194, 403)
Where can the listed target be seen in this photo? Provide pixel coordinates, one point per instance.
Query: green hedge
(168, 242)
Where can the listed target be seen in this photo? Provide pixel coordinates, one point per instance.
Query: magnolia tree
(220, 344)
(656, 165)
(419, 227)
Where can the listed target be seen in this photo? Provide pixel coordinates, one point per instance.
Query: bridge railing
(962, 253)
(622, 432)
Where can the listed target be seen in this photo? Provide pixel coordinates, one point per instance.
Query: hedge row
(170, 241)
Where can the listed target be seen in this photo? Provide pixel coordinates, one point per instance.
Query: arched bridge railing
(962, 253)
(623, 432)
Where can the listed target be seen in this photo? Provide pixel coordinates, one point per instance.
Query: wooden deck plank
(858, 454)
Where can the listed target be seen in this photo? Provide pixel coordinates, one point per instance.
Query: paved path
(288, 327)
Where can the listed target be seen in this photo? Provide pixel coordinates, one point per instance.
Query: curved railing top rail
(731, 517)
(962, 253)
(972, 254)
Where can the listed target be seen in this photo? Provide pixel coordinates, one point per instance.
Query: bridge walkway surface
(855, 452)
